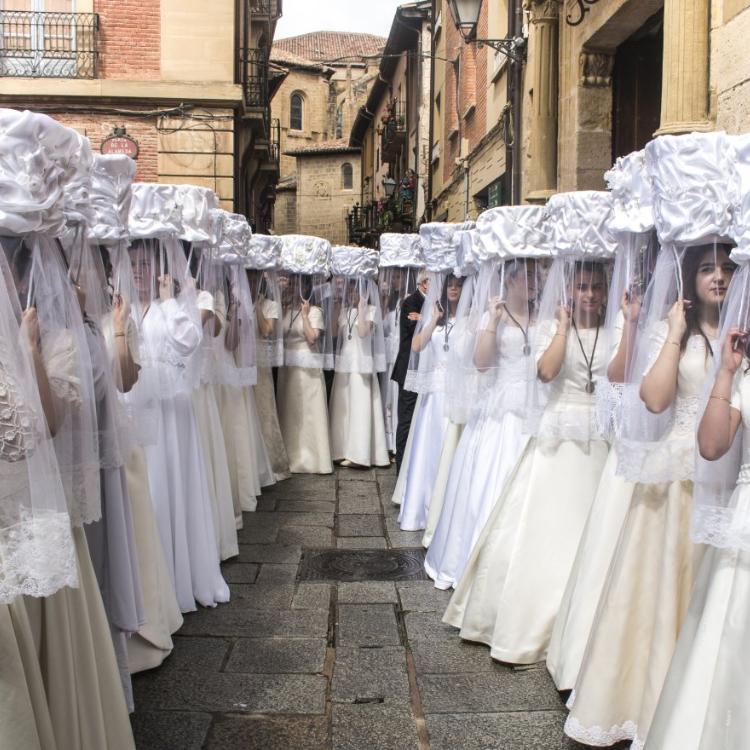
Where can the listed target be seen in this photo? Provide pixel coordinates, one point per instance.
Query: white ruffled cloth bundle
(303, 254)
(632, 194)
(440, 244)
(37, 159)
(111, 192)
(354, 262)
(512, 232)
(400, 251)
(579, 222)
(234, 239)
(264, 252)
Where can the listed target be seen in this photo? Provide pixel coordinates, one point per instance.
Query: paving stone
(358, 525)
(302, 486)
(261, 595)
(451, 656)
(276, 573)
(197, 655)
(487, 692)
(370, 675)
(537, 730)
(257, 534)
(168, 730)
(391, 522)
(386, 471)
(358, 489)
(373, 727)
(266, 503)
(405, 539)
(312, 596)
(362, 542)
(306, 519)
(261, 520)
(269, 733)
(362, 504)
(306, 506)
(306, 536)
(260, 623)
(422, 596)
(277, 655)
(350, 475)
(428, 627)
(240, 693)
(270, 553)
(367, 625)
(238, 572)
(367, 593)
(387, 484)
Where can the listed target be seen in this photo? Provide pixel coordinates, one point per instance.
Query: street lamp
(389, 185)
(466, 17)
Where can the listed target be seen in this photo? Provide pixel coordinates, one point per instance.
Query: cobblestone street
(343, 651)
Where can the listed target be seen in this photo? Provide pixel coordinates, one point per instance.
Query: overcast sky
(369, 16)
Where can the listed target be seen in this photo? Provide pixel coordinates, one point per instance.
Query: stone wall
(322, 203)
(285, 212)
(730, 64)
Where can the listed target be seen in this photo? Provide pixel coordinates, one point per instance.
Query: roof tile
(330, 46)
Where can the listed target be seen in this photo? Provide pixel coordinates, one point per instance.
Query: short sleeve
(271, 309)
(316, 318)
(370, 316)
(205, 301)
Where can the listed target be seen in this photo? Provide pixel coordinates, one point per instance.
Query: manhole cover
(362, 565)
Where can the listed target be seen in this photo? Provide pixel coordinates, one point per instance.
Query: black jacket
(412, 304)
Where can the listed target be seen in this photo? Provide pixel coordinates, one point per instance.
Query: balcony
(255, 78)
(267, 10)
(48, 45)
(392, 133)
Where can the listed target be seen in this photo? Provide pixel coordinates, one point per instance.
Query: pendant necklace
(524, 331)
(292, 318)
(351, 323)
(448, 331)
(590, 384)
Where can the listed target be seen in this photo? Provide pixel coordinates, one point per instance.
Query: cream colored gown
(357, 422)
(514, 581)
(646, 594)
(303, 411)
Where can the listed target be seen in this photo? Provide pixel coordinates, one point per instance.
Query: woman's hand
(166, 290)
(562, 316)
(437, 313)
(677, 321)
(496, 308)
(30, 322)
(120, 313)
(630, 304)
(305, 309)
(733, 350)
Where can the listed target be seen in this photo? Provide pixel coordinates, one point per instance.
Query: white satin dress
(513, 583)
(489, 449)
(356, 411)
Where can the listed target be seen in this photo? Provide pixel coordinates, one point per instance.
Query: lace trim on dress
(720, 527)
(38, 556)
(598, 736)
(308, 359)
(17, 437)
(608, 407)
(425, 382)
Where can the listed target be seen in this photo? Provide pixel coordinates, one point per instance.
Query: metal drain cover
(362, 565)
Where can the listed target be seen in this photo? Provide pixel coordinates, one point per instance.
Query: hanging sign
(120, 143)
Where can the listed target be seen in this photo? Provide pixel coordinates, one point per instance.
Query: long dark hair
(444, 297)
(691, 262)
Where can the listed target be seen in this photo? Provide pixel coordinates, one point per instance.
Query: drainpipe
(515, 99)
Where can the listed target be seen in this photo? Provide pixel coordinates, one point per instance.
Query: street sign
(120, 143)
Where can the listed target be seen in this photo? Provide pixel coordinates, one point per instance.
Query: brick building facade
(188, 80)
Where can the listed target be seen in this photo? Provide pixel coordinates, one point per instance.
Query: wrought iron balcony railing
(265, 9)
(48, 45)
(255, 74)
(393, 132)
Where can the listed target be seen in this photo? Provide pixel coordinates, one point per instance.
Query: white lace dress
(647, 590)
(704, 702)
(513, 583)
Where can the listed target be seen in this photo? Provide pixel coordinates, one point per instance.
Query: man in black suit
(411, 309)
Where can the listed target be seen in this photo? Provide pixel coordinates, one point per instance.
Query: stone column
(685, 96)
(543, 47)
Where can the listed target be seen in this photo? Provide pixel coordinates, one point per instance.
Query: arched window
(295, 112)
(347, 176)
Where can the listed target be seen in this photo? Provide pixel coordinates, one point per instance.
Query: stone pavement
(342, 651)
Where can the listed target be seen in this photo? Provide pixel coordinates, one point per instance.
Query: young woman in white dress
(303, 407)
(171, 334)
(511, 589)
(641, 611)
(431, 342)
(357, 423)
(632, 222)
(493, 439)
(704, 700)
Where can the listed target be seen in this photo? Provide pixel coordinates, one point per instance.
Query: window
(295, 112)
(339, 122)
(347, 176)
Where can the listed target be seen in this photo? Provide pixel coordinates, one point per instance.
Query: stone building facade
(188, 80)
(326, 78)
